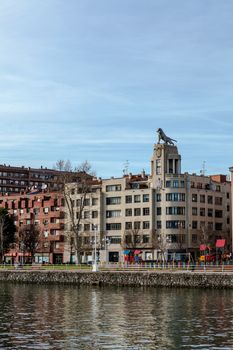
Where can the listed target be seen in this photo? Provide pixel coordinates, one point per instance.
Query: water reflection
(61, 317)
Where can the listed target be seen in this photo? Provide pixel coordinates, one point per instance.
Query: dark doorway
(113, 256)
(57, 259)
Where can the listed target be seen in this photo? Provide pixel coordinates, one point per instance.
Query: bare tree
(29, 239)
(206, 237)
(132, 239)
(76, 185)
(162, 243)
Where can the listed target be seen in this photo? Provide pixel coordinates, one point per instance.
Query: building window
(36, 211)
(128, 212)
(175, 224)
(113, 200)
(86, 227)
(146, 225)
(175, 197)
(137, 239)
(115, 239)
(159, 224)
(158, 197)
(194, 224)
(137, 211)
(158, 166)
(146, 198)
(137, 198)
(146, 211)
(94, 201)
(145, 239)
(210, 212)
(182, 184)
(202, 198)
(174, 239)
(113, 226)
(128, 239)
(86, 202)
(86, 215)
(175, 183)
(175, 210)
(128, 225)
(137, 225)
(94, 214)
(159, 211)
(210, 199)
(168, 184)
(218, 226)
(86, 240)
(194, 211)
(194, 238)
(128, 199)
(113, 213)
(218, 200)
(218, 213)
(112, 188)
(202, 211)
(194, 197)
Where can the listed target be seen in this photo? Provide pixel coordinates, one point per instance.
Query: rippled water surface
(62, 317)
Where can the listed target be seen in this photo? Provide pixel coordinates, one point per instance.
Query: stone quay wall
(185, 279)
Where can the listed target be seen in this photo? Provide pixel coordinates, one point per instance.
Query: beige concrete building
(139, 217)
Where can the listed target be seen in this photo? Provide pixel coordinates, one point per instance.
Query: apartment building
(18, 179)
(231, 170)
(136, 213)
(45, 211)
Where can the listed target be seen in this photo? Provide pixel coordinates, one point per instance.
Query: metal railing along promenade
(145, 266)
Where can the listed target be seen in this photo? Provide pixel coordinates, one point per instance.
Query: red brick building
(16, 179)
(45, 210)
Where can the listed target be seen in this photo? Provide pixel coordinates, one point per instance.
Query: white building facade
(132, 215)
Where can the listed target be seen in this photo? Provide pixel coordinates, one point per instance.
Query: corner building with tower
(142, 217)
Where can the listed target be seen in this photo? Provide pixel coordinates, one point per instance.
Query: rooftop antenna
(203, 170)
(126, 168)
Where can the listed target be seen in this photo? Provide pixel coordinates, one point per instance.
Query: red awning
(220, 243)
(137, 252)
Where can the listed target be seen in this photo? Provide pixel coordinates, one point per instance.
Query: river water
(65, 317)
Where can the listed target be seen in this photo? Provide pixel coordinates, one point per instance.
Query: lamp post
(94, 265)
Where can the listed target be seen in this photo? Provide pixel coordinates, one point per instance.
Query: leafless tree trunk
(76, 185)
(162, 244)
(132, 239)
(29, 239)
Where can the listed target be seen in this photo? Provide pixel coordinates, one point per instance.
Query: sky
(93, 80)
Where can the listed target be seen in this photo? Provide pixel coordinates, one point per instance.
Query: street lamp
(94, 265)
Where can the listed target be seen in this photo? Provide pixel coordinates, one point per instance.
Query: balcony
(56, 238)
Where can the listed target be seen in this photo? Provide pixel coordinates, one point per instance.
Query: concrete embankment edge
(127, 278)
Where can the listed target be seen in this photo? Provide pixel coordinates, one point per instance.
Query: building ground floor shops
(39, 258)
(114, 256)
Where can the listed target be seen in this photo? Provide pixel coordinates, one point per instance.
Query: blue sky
(93, 79)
